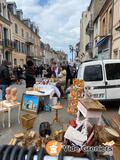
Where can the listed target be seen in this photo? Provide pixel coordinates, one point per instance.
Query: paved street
(6, 134)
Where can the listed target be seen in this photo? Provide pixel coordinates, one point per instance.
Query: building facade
(103, 37)
(96, 23)
(84, 38)
(116, 30)
(50, 55)
(5, 33)
(25, 36)
(20, 40)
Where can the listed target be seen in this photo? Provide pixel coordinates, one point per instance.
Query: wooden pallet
(116, 152)
(92, 105)
(116, 121)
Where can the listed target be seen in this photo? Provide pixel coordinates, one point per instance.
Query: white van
(102, 79)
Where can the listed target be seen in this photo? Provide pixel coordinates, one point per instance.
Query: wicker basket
(27, 121)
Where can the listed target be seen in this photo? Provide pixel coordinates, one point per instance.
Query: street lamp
(71, 50)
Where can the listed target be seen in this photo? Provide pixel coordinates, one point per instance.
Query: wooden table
(90, 109)
(9, 106)
(116, 121)
(116, 152)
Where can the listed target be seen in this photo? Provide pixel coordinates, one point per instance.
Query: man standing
(4, 78)
(69, 75)
(30, 74)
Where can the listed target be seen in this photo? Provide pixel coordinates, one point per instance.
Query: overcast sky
(58, 20)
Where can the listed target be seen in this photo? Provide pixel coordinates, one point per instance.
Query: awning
(102, 41)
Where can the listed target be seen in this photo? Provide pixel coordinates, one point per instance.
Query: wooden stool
(57, 107)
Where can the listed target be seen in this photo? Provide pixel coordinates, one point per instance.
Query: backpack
(44, 129)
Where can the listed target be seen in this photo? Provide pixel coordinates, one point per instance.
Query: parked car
(102, 79)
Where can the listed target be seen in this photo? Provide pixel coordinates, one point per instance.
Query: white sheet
(49, 90)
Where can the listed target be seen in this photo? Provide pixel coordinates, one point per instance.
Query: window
(23, 47)
(15, 61)
(22, 31)
(104, 27)
(113, 71)
(27, 35)
(93, 73)
(19, 48)
(110, 21)
(16, 28)
(16, 45)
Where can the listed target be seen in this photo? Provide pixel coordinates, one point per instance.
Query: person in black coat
(69, 75)
(30, 74)
(4, 78)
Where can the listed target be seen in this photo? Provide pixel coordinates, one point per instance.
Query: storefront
(104, 48)
(19, 59)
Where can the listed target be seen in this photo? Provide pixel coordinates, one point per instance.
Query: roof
(99, 61)
(90, 5)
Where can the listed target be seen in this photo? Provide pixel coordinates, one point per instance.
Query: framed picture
(30, 103)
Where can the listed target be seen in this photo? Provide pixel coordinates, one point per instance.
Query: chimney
(27, 22)
(12, 7)
(20, 14)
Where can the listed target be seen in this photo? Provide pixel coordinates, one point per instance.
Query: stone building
(62, 57)
(5, 33)
(84, 38)
(50, 55)
(25, 36)
(105, 24)
(96, 23)
(116, 30)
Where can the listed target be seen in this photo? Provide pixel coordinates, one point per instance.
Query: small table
(90, 109)
(9, 106)
(57, 107)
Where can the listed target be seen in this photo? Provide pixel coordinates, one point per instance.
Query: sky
(58, 20)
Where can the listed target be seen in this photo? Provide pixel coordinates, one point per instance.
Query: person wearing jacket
(30, 74)
(4, 78)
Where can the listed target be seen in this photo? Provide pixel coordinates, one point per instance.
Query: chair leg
(56, 119)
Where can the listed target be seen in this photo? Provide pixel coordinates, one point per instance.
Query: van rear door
(112, 80)
(95, 80)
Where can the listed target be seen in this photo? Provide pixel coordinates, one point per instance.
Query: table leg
(19, 115)
(9, 117)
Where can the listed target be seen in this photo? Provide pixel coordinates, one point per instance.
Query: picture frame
(30, 103)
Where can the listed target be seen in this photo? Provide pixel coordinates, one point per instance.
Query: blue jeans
(3, 88)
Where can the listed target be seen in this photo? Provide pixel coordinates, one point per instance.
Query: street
(7, 133)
